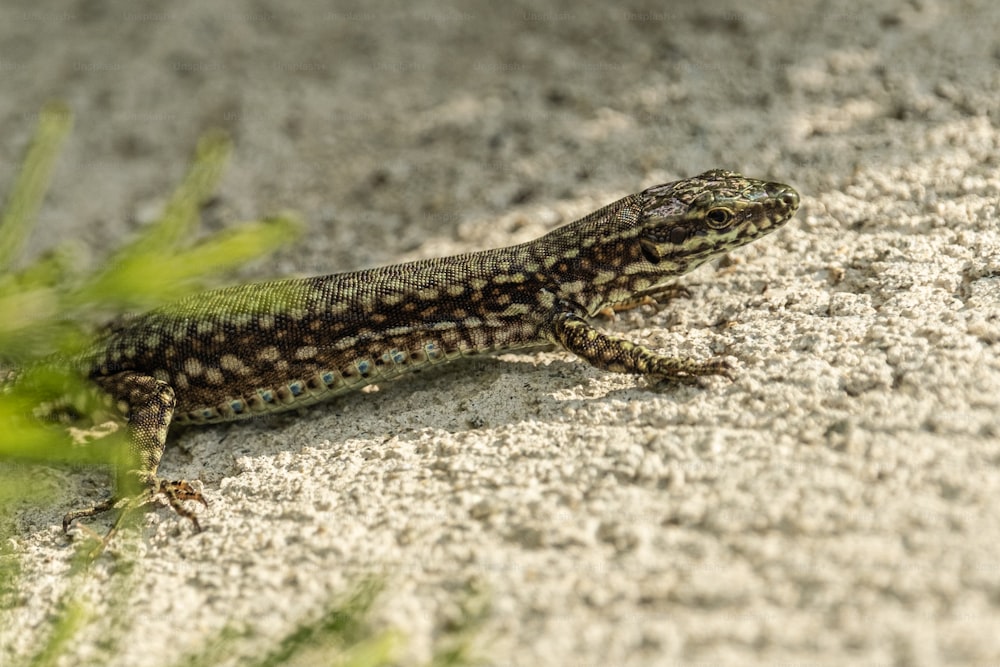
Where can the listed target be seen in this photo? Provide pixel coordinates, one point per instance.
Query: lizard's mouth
(781, 204)
(775, 207)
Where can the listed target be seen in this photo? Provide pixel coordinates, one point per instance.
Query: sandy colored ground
(836, 503)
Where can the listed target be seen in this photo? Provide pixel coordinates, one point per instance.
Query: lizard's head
(688, 222)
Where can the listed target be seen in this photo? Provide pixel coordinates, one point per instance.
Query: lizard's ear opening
(650, 251)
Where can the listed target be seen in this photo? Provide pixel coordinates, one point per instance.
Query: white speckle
(397, 331)
(664, 268)
(528, 331)
(306, 352)
(269, 353)
(337, 308)
(516, 309)
(603, 277)
(230, 362)
(348, 342)
(393, 299)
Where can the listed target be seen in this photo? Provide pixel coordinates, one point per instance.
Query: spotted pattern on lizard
(265, 347)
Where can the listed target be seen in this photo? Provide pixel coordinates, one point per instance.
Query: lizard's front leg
(148, 405)
(613, 353)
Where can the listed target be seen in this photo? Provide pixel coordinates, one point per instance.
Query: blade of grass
(145, 279)
(25, 198)
(180, 217)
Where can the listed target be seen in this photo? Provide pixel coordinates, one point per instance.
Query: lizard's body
(253, 349)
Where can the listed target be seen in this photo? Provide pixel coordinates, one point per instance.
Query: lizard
(259, 348)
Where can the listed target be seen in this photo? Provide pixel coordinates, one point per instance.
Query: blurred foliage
(48, 309)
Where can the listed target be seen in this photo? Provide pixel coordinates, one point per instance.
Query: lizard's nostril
(790, 198)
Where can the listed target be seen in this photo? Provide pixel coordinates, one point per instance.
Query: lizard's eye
(719, 218)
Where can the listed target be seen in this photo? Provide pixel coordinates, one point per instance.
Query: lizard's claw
(176, 493)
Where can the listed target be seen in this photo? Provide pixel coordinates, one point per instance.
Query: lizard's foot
(175, 493)
(687, 371)
(99, 508)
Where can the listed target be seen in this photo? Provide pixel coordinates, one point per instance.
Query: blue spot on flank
(207, 413)
(295, 388)
(267, 395)
(237, 406)
(329, 378)
(433, 351)
(363, 366)
(397, 356)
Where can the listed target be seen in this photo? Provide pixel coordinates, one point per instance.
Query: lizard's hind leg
(148, 406)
